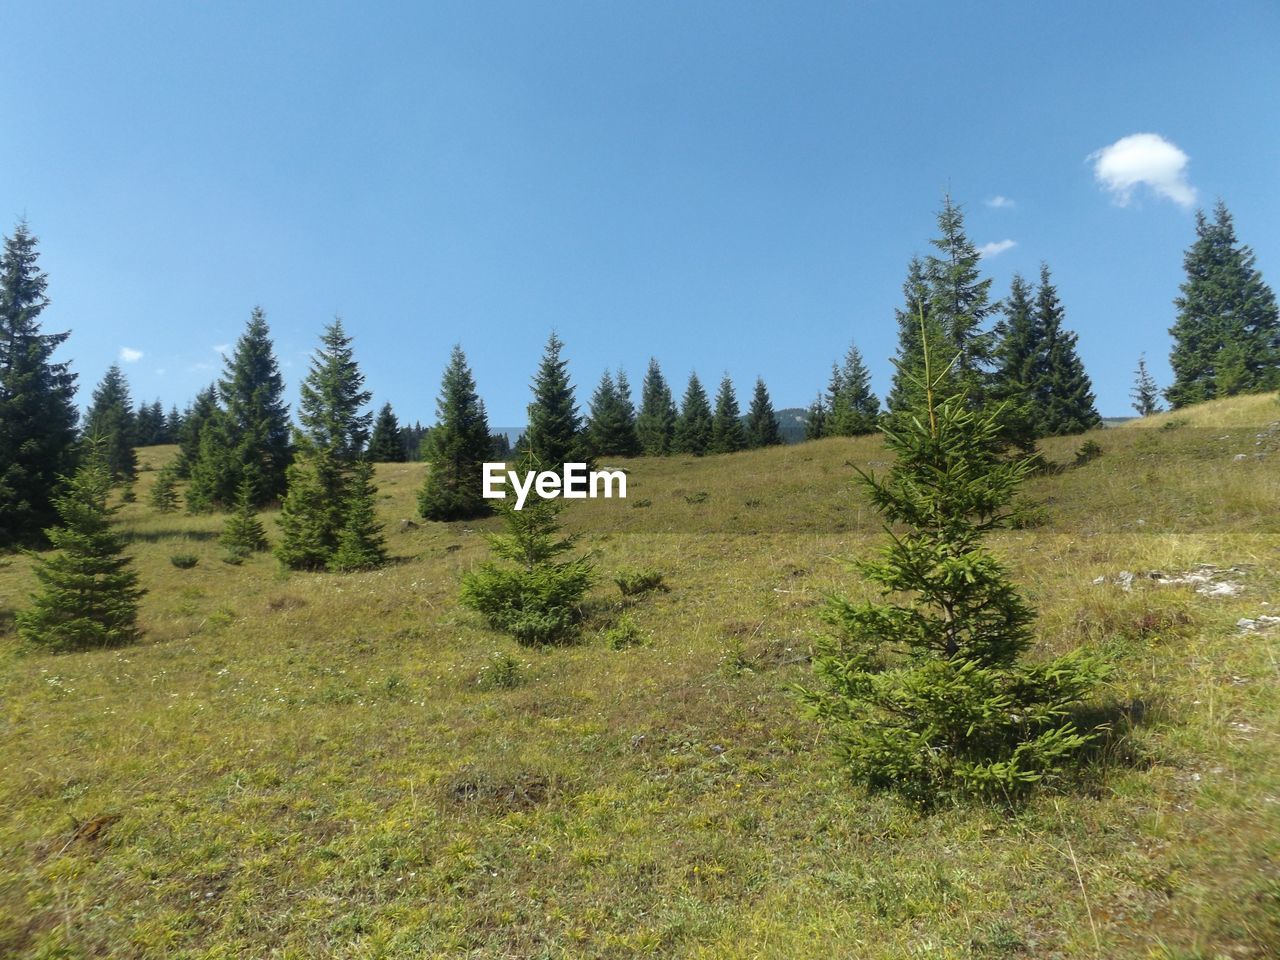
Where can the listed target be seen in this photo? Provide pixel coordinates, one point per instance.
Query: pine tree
(1021, 379)
(1227, 332)
(332, 397)
(762, 427)
(1145, 394)
(311, 514)
(1069, 408)
(904, 395)
(38, 443)
(250, 435)
(611, 427)
(88, 592)
(852, 409)
(164, 492)
(385, 444)
(554, 424)
(460, 446)
(173, 425)
(243, 534)
(360, 543)
(693, 426)
(112, 423)
(656, 422)
(200, 413)
(727, 435)
(926, 690)
(815, 421)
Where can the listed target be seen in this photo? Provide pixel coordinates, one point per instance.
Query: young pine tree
(852, 408)
(243, 534)
(536, 597)
(333, 398)
(250, 435)
(927, 690)
(815, 421)
(727, 435)
(111, 421)
(611, 424)
(312, 513)
(458, 447)
(1145, 393)
(762, 427)
(1021, 379)
(385, 443)
(904, 394)
(38, 443)
(656, 422)
(1227, 332)
(693, 426)
(554, 424)
(361, 545)
(88, 592)
(201, 412)
(164, 492)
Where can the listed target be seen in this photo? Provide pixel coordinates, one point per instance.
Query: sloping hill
(320, 765)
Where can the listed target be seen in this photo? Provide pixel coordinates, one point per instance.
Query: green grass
(319, 765)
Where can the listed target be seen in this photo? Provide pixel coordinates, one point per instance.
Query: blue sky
(725, 185)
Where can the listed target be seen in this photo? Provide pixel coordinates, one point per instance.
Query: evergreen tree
(1227, 332)
(1021, 379)
(762, 423)
(242, 534)
(1145, 394)
(656, 422)
(200, 413)
(693, 426)
(611, 424)
(554, 424)
(852, 408)
(164, 492)
(727, 435)
(1069, 408)
(927, 690)
(815, 421)
(148, 431)
(250, 436)
(111, 422)
(904, 395)
(360, 542)
(460, 445)
(38, 443)
(173, 426)
(88, 592)
(332, 397)
(385, 444)
(311, 514)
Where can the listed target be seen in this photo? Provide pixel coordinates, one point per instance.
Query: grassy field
(312, 765)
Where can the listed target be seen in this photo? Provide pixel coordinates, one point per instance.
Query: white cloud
(1000, 203)
(996, 248)
(222, 348)
(130, 355)
(1143, 158)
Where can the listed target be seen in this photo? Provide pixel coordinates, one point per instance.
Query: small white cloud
(1000, 203)
(1143, 158)
(222, 348)
(130, 355)
(996, 248)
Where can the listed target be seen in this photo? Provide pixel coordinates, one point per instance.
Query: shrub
(632, 583)
(1088, 452)
(184, 561)
(164, 492)
(625, 633)
(537, 598)
(243, 535)
(502, 672)
(926, 690)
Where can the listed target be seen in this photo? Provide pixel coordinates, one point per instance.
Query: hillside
(315, 765)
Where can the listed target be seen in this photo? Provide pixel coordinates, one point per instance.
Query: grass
(320, 765)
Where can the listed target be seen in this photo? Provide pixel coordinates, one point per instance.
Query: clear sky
(726, 185)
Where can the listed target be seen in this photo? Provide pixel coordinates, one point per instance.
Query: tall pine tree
(1145, 394)
(727, 435)
(333, 398)
(201, 412)
(852, 409)
(385, 443)
(693, 427)
(1069, 407)
(1227, 332)
(460, 445)
(762, 427)
(905, 393)
(112, 423)
(554, 425)
(656, 422)
(611, 423)
(38, 443)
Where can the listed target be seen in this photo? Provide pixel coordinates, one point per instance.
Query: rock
(1254, 624)
(1240, 456)
(407, 525)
